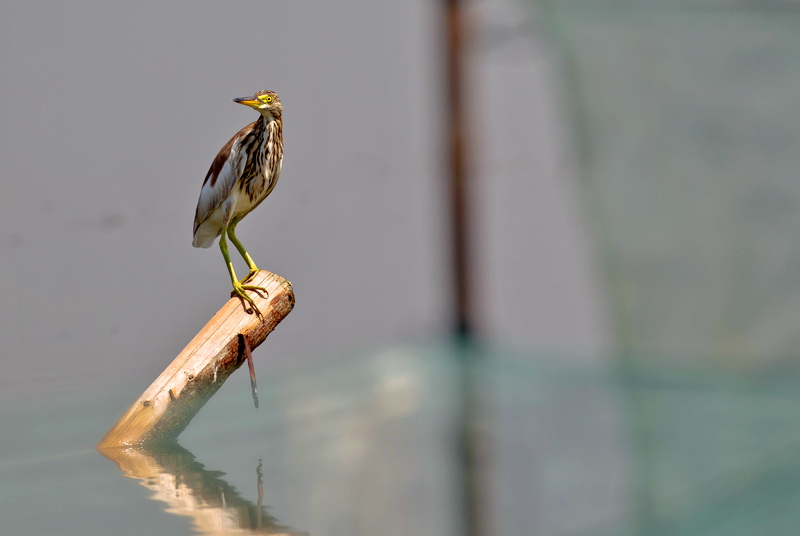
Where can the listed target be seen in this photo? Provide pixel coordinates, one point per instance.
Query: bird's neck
(272, 125)
(268, 118)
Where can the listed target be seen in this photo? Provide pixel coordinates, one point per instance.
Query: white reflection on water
(188, 489)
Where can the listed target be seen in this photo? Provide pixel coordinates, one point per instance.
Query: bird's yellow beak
(249, 101)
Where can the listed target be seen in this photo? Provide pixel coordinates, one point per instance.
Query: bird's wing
(221, 176)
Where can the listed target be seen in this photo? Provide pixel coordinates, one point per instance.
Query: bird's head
(266, 102)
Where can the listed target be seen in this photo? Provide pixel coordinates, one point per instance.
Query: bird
(241, 176)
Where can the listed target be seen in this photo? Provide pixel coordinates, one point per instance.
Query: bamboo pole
(164, 410)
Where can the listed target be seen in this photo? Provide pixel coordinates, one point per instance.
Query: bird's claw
(253, 287)
(239, 290)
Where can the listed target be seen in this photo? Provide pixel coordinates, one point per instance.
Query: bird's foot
(251, 275)
(239, 290)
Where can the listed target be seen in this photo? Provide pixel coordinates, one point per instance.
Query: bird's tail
(204, 239)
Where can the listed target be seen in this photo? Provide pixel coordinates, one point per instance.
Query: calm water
(363, 445)
(332, 450)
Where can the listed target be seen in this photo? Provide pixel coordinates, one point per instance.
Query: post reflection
(188, 489)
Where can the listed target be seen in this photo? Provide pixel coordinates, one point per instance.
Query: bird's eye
(266, 98)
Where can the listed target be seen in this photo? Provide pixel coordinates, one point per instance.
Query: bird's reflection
(189, 489)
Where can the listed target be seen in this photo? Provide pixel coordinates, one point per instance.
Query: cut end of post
(165, 409)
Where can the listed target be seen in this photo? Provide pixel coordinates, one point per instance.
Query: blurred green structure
(686, 123)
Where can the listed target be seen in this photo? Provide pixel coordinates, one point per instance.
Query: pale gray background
(112, 113)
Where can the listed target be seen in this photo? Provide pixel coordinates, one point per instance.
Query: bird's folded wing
(222, 175)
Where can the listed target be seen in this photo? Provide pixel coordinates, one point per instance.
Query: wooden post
(164, 410)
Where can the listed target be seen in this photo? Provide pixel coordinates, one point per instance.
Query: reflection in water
(189, 489)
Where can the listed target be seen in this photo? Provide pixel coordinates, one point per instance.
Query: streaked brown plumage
(242, 175)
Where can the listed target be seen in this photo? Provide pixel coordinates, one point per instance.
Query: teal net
(686, 119)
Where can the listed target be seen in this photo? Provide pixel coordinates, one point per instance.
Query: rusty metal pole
(455, 124)
(468, 484)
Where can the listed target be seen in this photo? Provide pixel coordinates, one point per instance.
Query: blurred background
(631, 205)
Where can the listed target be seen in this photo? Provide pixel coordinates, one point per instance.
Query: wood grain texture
(164, 410)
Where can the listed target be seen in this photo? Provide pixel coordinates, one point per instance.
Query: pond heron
(241, 176)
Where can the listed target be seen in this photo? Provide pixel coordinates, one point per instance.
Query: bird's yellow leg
(238, 288)
(243, 252)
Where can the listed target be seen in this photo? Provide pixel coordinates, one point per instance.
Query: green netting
(687, 123)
